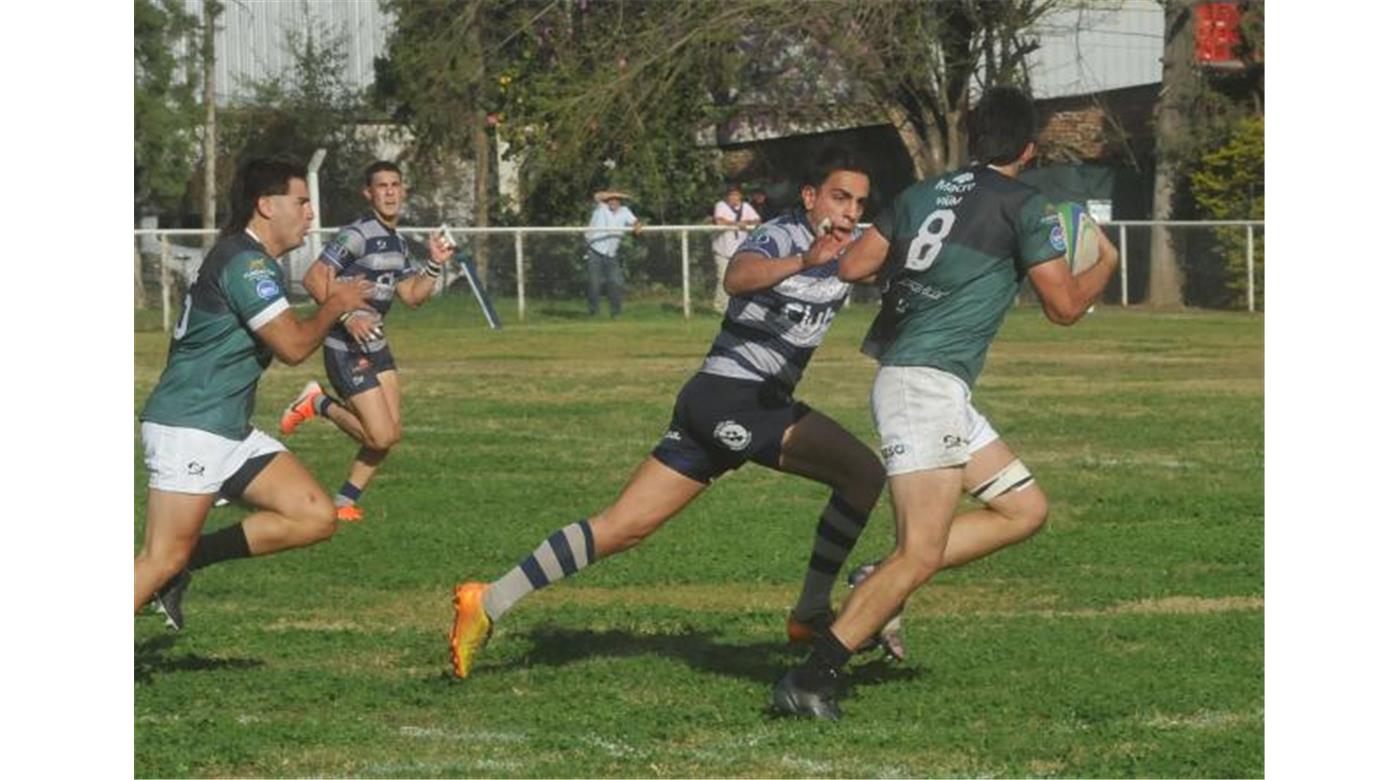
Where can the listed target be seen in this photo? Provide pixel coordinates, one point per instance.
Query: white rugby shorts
(925, 419)
(188, 460)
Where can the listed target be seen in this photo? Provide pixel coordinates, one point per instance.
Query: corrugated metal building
(251, 43)
(1097, 47)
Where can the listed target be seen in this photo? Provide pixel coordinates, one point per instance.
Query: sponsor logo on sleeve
(1057, 236)
(267, 289)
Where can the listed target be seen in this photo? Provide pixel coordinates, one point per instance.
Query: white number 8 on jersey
(924, 249)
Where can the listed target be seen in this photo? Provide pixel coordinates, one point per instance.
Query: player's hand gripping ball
(1077, 235)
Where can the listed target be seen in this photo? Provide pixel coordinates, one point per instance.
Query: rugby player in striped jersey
(739, 407)
(358, 361)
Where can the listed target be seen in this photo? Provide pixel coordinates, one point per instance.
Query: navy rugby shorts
(719, 424)
(356, 372)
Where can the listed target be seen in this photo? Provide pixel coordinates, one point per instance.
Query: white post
(313, 188)
(685, 272)
(1123, 264)
(520, 274)
(1249, 263)
(165, 283)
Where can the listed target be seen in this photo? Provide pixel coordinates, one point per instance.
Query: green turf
(1127, 639)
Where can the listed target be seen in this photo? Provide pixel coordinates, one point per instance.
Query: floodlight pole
(313, 187)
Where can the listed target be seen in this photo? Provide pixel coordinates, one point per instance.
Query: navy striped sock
(348, 494)
(837, 532)
(564, 553)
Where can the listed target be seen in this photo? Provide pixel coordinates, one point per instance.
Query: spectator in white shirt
(603, 265)
(730, 211)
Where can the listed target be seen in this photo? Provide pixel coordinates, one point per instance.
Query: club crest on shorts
(733, 435)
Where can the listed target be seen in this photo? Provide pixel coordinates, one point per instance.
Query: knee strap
(1014, 477)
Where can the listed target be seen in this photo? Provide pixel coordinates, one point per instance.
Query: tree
(1228, 183)
(434, 79)
(618, 92)
(166, 113)
(1198, 110)
(307, 107)
(1165, 279)
(916, 62)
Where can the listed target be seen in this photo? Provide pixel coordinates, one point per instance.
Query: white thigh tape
(1014, 477)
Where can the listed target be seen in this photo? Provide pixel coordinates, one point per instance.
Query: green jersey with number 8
(211, 375)
(960, 244)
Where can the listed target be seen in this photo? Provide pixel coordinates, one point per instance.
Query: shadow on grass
(153, 657)
(763, 662)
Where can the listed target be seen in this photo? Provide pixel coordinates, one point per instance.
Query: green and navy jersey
(960, 244)
(369, 249)
(770, 335)
(211, 374)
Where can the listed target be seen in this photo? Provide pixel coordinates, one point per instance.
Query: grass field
(1127, 639)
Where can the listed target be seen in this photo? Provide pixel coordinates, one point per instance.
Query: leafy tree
(587, 94)
(166, 112)
(1228, 183)
(915, 63)
(309, 106)
(1198, 112)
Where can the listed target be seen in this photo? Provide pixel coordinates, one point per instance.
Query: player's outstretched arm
(1066, 297)
(293, 340)
(753, 271)
(865, 258)
(414, 290)
(750, 272)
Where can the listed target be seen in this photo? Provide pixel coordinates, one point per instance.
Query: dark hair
(259, 177)
(831, 159)
(733, 187)
(1001, 126)
(378, 166)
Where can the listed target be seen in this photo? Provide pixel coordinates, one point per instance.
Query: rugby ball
(1076, 235)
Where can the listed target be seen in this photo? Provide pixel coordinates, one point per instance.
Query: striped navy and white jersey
(770, 335)
(370, 249)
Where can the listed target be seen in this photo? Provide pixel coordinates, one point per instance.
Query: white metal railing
(1123, 225)
(163, 235)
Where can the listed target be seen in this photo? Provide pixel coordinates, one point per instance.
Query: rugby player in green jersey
(951, 252)
(195, 427)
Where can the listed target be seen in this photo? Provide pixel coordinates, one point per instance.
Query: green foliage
(307, 107)
(1126, 639)
(1228, 183)
(587, 95)
(167, 114)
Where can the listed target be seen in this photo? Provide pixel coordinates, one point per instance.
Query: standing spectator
(602, 247)
(732, 210)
